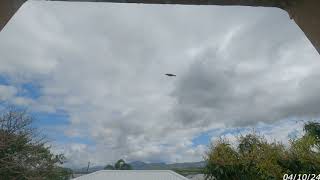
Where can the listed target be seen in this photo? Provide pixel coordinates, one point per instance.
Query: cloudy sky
(93, 76)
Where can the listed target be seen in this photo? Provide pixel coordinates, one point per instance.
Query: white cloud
(7, 92)
(281, 131)
(104, 65)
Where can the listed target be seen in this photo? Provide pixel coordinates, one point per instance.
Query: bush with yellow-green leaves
(256, 158)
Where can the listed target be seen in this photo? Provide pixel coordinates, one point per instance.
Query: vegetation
(23, 152)
(255, 158)
(188, 171)
(119, 165)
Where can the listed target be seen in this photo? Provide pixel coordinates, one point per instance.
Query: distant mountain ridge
(139, 165)
(91, 169)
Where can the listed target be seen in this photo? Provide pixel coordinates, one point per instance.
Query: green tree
(256, 158)
(119, 165)
(23, 152)
(259, 158)
(304, 153)
(313, 129)
(221, 160)
(109, 167)
(253, 158)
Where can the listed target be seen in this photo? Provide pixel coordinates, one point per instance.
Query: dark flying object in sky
(171, 75)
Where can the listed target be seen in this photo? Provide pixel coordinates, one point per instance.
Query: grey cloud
(104, 65)
(243, 91)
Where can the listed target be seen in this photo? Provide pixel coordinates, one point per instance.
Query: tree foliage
(119, 165)
(23, 152)
(255, 158)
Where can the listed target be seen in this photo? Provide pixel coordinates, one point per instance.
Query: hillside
(139, 165)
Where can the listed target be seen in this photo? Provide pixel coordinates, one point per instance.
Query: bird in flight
(171, 75)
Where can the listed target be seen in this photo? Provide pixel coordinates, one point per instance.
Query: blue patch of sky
(47, 119)
(53, 124)
(235, 131)
(30, 90)
(61, 138)
(261, 127)
(4, 80)
(47, 123)
(205, 137)
(202, 139)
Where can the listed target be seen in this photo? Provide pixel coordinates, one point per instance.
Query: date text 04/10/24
(301, 177)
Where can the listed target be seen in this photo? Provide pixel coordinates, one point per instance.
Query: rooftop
(132, 174)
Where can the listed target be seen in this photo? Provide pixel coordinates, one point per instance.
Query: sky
(93, 76)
